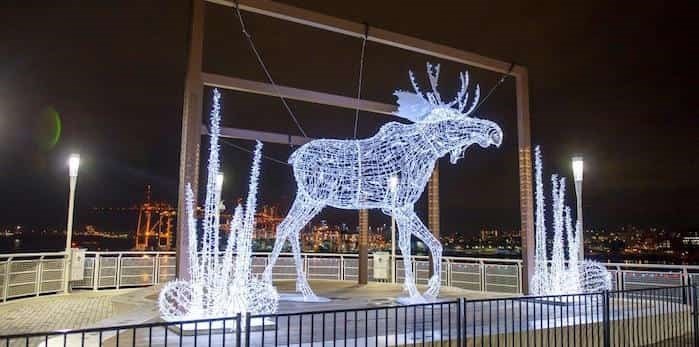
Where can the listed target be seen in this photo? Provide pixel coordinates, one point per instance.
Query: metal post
(238, 330)
(96, 272)
(606, 324)
(117, 280)
(247, 329)
(526, 199)
(433, 210)
(393, 248)
(7, 279)
(39, 275)
(695, 313)
(69, 234)
(459, 322)
(363, 247)
(481, 266)
(578, 194)
(156, 269)
(191, 133)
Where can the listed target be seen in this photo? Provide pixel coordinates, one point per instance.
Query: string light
(358, 174)
(561, 277)
(221, 285)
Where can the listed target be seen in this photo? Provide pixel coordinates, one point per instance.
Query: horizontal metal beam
(385, 37)
(264, 136)
(243, 85)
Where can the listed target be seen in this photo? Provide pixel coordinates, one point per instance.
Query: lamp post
(577, 163)
(73, 165)
(393, 186)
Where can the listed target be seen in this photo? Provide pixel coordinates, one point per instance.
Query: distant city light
(578, 168)
(73, 165)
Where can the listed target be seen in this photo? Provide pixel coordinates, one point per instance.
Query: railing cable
(502, 79)
(241, 148)
(247, 35)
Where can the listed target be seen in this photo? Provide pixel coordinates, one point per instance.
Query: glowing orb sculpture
(558, 276)
(357, 174)
(221, 283)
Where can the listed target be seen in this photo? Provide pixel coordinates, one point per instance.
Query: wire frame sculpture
(357, 174)
(221, 283)
(559, 276)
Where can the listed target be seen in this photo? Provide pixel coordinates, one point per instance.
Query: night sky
(612, 81)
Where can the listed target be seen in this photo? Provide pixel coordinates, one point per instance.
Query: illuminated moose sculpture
(356, 174)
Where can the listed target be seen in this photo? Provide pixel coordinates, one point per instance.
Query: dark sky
(610, 80)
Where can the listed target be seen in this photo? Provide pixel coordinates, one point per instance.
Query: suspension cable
(247, 35)
(244, 149)
(359, 84)
(493, 88)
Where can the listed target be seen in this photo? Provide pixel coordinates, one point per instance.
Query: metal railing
(637, 317)
(33, 274)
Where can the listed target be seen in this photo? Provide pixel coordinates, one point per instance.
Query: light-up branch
(558, 276)
(221, 285)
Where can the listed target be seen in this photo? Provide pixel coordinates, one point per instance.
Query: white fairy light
(221, 285)
(556, 277)
(357, 174)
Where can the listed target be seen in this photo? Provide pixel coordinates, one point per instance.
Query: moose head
(455, 129)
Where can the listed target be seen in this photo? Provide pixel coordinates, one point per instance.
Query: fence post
(247, 329)
(238, 322)
(483, 278)
(695, 313)
(39, 275)
(6, 283)
(156, 268)
(459, 322)
(96, 272)
(606, 325)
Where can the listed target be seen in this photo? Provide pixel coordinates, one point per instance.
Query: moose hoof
(411, 300)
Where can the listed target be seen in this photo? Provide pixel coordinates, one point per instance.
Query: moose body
(327, 171)
(388, 171)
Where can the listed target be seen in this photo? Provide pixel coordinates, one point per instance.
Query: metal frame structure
(196, 79)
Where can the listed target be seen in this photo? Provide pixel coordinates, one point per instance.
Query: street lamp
(393, 186)
(578, 178)
(73, 165)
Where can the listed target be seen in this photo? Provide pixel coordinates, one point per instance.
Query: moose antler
(434, 99)
(416, 106)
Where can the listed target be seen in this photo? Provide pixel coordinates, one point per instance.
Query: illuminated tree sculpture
(356, 174)
(558, 276)
(221, 284)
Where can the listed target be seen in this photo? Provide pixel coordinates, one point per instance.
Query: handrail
(26, 255)
(118, 269)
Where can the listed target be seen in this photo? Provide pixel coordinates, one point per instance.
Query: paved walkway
(87, 309)
(81, 309)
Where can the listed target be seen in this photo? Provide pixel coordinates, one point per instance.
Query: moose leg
(404, 233)
(420, 231)
(301, 212)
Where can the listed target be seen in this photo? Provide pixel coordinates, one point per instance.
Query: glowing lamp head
(578, 169)
(73, 165)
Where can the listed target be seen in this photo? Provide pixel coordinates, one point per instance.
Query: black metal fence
(642, 317)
